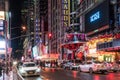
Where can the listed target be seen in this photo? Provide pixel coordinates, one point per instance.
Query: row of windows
(104, 45)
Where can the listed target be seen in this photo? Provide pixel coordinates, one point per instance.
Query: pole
(5, 34)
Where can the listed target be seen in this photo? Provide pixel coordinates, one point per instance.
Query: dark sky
(15, 8)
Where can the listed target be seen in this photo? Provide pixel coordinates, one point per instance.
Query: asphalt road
(60, 74)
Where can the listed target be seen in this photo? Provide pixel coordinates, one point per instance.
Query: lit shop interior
(105, 54)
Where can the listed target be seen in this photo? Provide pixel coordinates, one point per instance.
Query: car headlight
(22, 71)
(14, 62)
(38, 70)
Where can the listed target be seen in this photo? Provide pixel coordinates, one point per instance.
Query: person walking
(43, 64)
(0, 68)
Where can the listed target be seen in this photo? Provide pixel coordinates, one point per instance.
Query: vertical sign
(65, 13)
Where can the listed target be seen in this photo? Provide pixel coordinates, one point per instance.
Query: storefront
(73, 41)
(102, 53)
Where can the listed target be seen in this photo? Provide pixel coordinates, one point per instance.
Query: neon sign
(95, 17)
(65, 13)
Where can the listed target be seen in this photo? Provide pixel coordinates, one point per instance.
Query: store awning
(73, 45)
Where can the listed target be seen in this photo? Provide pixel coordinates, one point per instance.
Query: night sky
(15, 8)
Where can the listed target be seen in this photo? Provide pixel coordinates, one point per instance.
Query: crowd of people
(5, 66)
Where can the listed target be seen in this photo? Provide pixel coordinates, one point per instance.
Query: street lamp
(12, 28)
(23, 28)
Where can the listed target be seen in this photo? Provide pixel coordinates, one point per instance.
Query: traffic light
(49, 35)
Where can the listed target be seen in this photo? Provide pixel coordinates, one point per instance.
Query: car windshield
(29, 65)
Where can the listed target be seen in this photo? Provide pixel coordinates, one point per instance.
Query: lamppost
(22, 28)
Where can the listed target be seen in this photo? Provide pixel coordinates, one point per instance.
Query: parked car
(47, 64)
(112, 66)
(67, 65)
(75, 65)
(93, 66)
(118, 62)
(29, 69)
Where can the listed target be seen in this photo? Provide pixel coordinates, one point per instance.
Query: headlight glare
(38, 70)
(22, 71)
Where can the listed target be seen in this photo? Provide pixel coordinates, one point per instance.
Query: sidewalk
(7, 77)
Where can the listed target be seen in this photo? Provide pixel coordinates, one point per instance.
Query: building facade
(58, 22)
(101, 38)
(4, 28)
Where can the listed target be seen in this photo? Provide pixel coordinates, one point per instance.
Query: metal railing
(16, 74)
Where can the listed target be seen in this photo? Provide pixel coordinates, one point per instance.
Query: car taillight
(95, 65)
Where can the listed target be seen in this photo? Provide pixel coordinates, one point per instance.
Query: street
(60, 74)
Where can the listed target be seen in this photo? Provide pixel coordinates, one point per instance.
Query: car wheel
(90, 70)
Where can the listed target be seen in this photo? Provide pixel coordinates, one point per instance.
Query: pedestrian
(56, 63)
(43, 64)
(0, 69)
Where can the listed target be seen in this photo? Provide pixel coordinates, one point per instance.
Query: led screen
(97, 17)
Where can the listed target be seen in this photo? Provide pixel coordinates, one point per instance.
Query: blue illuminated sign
(98, 17)
(95, 17)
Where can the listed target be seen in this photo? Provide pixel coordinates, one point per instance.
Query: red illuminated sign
(117, 36)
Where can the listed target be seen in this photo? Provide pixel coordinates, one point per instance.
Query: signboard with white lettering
(65, 13)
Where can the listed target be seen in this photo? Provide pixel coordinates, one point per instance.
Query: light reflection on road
(55, 74)
(96, 77)
(74, 74)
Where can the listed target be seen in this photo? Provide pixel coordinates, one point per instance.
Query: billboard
(2, 15)
(2, 25)
(97, 17)
(65, 17)
(35, 52)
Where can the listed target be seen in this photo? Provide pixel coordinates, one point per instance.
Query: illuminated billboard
(65, 13)
(35, 51)
(97, 18)
(2, 15)
(1, 25)
(2, 47)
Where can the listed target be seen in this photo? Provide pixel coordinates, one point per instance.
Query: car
(67, 65)
(75, 64)
(112, 66)
(29, 69)
(118, 62)
(93, 66)
(47, 64)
